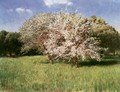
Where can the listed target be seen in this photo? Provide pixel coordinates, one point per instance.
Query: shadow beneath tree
(105, 62)
(96, 63)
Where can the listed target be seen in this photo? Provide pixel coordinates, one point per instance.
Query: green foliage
(13, 44)
(31, 52)
(3, 34)
(100, 21)
(10, 45)
(93, 18)
(109, 37)
(33, 74)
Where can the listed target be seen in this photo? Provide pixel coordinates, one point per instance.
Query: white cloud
(49, 3)
(21, 10)
(69, 3)
(29, 11)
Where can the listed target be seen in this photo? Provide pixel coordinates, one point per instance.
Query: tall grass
(34, 74)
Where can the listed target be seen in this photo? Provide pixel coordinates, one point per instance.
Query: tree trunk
(50, 60)
(75, 61)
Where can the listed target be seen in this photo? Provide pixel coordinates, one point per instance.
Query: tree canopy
(35, 26)
(109, 37)
(10, 45)
(69, 38)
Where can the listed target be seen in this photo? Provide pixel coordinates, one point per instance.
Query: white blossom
(69, 38)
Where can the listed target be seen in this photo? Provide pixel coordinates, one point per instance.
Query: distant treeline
(10, 45)
(27, 40)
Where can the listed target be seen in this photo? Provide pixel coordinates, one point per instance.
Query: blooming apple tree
(68, 38)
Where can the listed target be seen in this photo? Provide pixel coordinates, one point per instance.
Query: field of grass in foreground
(34, 74)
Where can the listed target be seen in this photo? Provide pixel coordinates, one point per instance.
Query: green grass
(34, 74)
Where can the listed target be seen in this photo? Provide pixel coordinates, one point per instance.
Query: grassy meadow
(34, 74)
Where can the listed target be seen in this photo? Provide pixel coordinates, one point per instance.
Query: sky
(13, 13)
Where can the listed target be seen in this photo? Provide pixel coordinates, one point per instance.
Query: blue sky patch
(14, 12)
